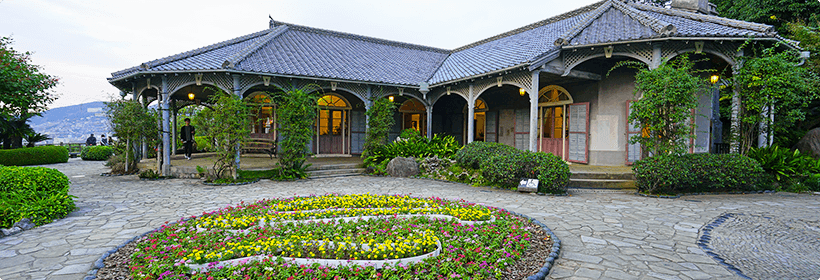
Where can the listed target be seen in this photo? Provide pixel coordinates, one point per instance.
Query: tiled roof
(289, 49)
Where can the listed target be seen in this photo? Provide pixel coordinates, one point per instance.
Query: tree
(380, 120)
(773, 12)
(24, 93)
(669, 94)
(229, 127)
(130, 122)
(296, 114)
(769, 83)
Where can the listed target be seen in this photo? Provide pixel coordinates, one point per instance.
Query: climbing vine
(229, 125)
(380, 120)
(296, 113)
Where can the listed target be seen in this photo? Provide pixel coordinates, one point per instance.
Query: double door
(333, 132)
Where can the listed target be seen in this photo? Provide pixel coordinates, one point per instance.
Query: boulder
(403, 167)
(810, 143)
(25, 224)
(10, 231)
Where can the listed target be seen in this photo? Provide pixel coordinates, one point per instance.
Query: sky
(83, 41)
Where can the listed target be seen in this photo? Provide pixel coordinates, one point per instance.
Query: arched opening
(447, 117)
(507, 115)
(263, 115)
(552, 119)
(480, 117)
(413, 115)
(333, 125)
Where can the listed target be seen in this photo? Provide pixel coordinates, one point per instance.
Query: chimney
(695, 6)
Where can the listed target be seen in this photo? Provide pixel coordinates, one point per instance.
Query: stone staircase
(587, 178)
(334, 170)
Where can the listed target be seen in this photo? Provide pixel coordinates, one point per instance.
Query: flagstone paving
(604, 235)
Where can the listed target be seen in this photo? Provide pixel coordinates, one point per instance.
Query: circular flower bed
(340, 237)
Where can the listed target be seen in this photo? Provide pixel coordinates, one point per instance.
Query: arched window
(332, 100)
(413, 115)
(263, 114)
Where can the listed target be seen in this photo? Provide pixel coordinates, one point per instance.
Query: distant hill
(73, 124)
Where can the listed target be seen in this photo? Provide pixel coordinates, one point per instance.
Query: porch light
(522, 91)
(191, 96)
(714, 79)
(390, 98)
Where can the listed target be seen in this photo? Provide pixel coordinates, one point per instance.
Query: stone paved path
(604, 236)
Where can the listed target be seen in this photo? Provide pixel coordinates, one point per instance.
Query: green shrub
(417, 147)
(37, 193)
(478, 153)
(506, 170)
(34, 156)
(813, 182)
(693, 173)
(96, 153)
(203, 143)
(783, 165)
(409, 133)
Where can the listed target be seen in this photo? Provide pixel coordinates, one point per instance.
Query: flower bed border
(232, 184)
(540, 275)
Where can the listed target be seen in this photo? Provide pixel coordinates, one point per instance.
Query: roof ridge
(235, 58)
(764, 28)
(534, 25)
(183, 55)
(575, 30)
(360, 37)
(662, 27)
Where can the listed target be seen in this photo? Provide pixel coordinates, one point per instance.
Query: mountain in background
(72, 124)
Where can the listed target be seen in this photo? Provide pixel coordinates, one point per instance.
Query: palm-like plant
(33, 137)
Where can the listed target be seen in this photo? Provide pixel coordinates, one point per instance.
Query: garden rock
(10, 231)
(810, 143)
(24, 224)
(403, 167)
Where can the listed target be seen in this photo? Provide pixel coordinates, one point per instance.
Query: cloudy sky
(83, 41)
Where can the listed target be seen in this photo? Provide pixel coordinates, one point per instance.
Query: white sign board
(528, 185)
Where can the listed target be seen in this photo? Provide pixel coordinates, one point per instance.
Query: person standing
(91, 140)
(187, 136)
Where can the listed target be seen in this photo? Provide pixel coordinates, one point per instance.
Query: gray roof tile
(289, 49)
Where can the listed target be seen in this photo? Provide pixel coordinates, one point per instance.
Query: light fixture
(522, 91)
(714, 79)
(191, 96)
(390, 98)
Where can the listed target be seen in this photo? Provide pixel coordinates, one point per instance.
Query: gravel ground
(116, 265)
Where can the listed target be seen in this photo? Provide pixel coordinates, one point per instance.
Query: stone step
(602, 176)
(333, 166)
(602, 184)
(316, 174)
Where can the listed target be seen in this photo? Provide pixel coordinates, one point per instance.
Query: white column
(236, 91)
(429, 110)
(174, 131)
(534, 111)
(470, 116)
(166, 135)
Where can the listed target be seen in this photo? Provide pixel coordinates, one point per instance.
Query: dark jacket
(91, 141)
(187, 133)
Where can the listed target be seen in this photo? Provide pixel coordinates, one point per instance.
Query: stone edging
(701, 193)
(554, 251)
(541, 275)
(706, 237)
(460, 183)
(232, 184)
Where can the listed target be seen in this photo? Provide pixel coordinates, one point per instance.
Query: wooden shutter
(522, 129)
(633, 151)
(358, 131)
(491, 127)
(578, 133)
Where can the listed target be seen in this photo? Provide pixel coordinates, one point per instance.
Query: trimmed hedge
(34, 156)
(37, 193)
(695, 173)
(96, 153)
(477, 154)
(507, 169)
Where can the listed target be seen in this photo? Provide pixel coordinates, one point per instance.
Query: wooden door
(506, 127)
(332, 131)
(633, 151)
(578, 133)
(551, 120)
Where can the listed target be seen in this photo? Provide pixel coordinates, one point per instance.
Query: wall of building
(608, 118)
